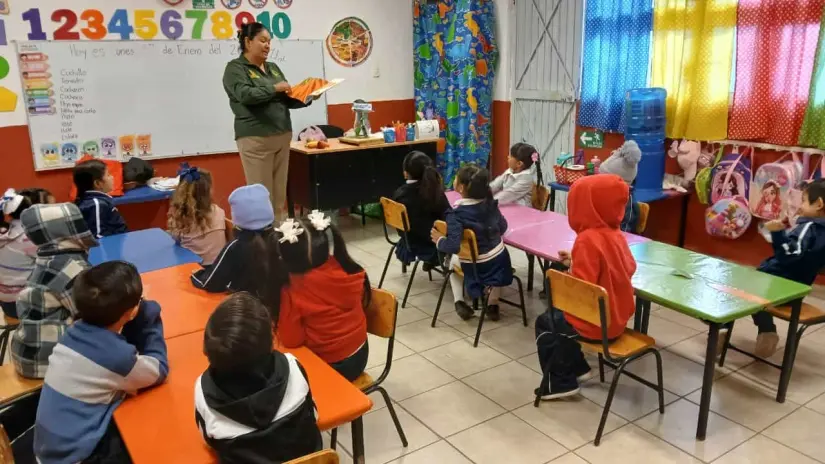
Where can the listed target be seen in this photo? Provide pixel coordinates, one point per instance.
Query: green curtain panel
(812, 133)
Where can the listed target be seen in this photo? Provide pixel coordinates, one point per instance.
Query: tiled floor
(460, 404)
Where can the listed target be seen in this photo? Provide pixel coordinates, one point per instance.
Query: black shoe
(465, 312)
(493, 313)
(427, 267)
(557, 394)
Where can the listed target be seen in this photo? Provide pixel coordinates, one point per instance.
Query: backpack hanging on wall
(737, 183)
(705, 176)
(729, 215)
(771, 184)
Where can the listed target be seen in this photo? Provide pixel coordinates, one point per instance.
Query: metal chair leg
(4, 343)
(601, 368)
(386, 266)
(521, 296)
(660, 378)
(441, 297)
(333, 441)
(409, 284)
(395, 420)
(480, 318)
(607, 403)
(726, 345)
(430, 273)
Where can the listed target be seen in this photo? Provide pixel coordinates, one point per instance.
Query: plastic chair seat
(628, 344)
(363, 381)
(458, 271)
(9, 321)
(808, 315)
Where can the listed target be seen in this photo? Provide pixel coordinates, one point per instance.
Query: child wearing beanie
(250, 262)
(624, 162)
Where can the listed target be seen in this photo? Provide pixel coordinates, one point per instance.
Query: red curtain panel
(776, 41)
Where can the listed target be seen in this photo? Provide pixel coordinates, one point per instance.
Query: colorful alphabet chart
(151, 99)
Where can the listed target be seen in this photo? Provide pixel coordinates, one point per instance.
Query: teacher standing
(257, 91)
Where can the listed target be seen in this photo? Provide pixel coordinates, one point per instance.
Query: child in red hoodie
(322, 306)
(600, 255)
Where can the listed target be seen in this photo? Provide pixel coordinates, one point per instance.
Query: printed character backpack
(771, 185)
(737, 182)
(705, 176)
(729, 215)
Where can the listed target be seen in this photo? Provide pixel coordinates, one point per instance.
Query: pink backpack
(731, 176)
(771, 185)
(729, 215)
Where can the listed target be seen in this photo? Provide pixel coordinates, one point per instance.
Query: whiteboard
(151, 99)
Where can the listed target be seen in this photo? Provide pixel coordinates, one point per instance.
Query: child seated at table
(478, 211)
(624, 163)
(45, 306)
(601, 256)
(322, 305)
(515, 185)
(423, 195)
(194, 220)
(250, 262)
(94, 183)
(252, 404)
(17, 252)
(114, 349)
(798, 255)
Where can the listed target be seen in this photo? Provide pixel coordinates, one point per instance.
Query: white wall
(389, 20)
(504, 9)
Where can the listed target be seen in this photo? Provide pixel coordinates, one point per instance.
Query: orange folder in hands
(311, 88)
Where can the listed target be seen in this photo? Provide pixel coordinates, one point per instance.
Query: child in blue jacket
(94, 183)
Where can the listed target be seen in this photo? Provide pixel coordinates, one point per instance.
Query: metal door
(547, 40)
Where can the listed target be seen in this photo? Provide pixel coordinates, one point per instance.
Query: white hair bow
(319, 220)
(10, 201)
(290, 231)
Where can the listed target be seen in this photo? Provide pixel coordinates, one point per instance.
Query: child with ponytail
(194, 221)
(476, 210)
(322, 306)
(515, 185)
(423, 195)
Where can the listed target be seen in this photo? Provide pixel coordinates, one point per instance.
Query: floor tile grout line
(789, 447)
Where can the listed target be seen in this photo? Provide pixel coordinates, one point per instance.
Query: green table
(714, 291)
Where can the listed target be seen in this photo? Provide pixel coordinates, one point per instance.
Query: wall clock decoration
(283, 4)
(258, 3)
(231, 4)
(349, 42)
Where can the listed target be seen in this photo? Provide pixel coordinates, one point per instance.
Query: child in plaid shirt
(46, 307)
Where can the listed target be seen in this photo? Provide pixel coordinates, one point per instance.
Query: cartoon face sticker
(231, 4)
(50, 152)
(91, 148)
(127, 146)
(144, 145)
(68, 151)
(108, 147)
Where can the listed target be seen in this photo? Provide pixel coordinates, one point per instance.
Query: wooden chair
(589, 303)
(382, 315)
(230, 229)
(469, 252)
(326, 456)
(6, 454)
(809, 316)
(644, 212)
(395, 217)
(8, 327)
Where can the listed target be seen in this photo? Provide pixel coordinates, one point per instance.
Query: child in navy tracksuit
(478, 211)
(798, 255)
(114, 350)
(94, 183)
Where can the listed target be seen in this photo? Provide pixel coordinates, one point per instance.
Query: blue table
(142, 195)
(643, 196)
(149, 250)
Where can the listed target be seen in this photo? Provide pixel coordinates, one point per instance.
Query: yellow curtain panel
(693, 44)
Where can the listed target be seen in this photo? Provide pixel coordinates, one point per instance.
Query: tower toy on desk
(362, 110)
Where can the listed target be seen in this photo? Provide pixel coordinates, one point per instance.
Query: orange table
(158, 425)
(184, 308)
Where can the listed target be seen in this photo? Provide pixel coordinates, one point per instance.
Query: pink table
(517, 215)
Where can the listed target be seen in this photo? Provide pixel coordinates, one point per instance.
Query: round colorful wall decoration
(349, 42)
(173, 2)
(283, 4)
(231, 4)
(258, 3)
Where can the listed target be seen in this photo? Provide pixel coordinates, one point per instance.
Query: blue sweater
(798, 253)
(100, 214)
(90, 372)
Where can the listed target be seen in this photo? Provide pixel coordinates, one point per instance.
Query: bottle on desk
(596, 163)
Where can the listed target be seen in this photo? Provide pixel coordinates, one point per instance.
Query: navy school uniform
(419, 245)
(100, 213)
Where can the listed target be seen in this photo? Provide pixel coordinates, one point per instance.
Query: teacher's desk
(342, 175)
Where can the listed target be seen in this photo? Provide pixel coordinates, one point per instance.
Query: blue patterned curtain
(455, 60)
(616, 51)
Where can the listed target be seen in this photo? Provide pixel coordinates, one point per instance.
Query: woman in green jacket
(257, 91)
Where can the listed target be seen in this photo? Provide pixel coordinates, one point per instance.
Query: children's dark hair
(524, 152)
(312, 251)
(249, 31)
(476, 183)
(104, 293)
(238, 334)
(815, 190)
(31, 196)
(86, 173)
(419, 166)
(264, 271)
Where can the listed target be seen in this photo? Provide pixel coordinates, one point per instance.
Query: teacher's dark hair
(249, 31)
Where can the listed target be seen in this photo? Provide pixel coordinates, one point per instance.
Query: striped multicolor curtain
(616, 57)
(775, 47)
(692, 55)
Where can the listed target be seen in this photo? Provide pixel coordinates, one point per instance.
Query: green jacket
(259, 110)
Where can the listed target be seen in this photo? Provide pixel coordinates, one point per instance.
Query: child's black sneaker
(464, 310)
(493, 313)
(557, 393)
